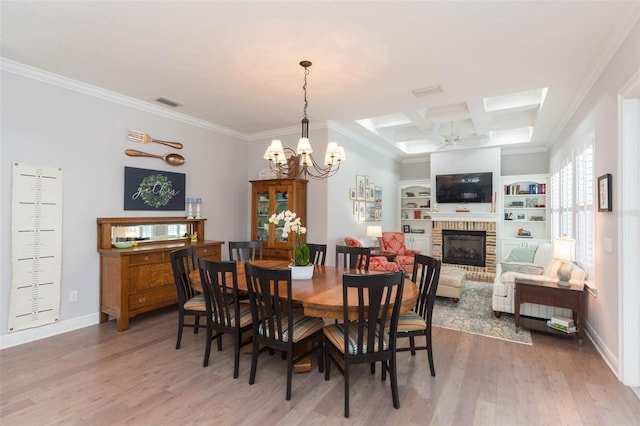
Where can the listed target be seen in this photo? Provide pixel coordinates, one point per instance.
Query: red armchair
(376, 263)
(394, 242)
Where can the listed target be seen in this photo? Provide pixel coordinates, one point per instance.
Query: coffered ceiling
(409, 77)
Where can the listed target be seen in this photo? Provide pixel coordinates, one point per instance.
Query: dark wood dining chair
(317, 253)
(417, 322)
(190, 303)
(226, 314)
(242, 251)
(371, 337)
(276, 324)
(353, 257)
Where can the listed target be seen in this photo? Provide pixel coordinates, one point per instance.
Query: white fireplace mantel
(465, 217)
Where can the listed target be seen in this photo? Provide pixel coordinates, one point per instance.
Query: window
(572, 205)
(585, 208)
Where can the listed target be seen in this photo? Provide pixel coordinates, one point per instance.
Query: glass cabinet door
(263, 214)
(281, 205)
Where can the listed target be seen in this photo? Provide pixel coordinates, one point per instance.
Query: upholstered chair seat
(394, 242)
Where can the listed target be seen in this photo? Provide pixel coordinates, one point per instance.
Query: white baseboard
(608, 357)
(37, 333)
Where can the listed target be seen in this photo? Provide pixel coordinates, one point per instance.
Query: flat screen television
(464, 188)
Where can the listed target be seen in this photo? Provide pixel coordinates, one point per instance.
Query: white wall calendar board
(36, 246)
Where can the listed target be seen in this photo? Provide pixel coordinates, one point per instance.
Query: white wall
(416, 170)
(597, 117)
(382, 170)
(466, 161)
(531, 163)
(50, 125)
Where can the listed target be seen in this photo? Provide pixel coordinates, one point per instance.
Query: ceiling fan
(452, 138)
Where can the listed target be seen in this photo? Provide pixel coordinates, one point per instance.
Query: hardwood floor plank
(98, 376)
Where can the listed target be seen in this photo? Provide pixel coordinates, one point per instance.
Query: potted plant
(301, 268)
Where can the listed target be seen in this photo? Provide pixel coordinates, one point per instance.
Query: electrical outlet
(73, 296)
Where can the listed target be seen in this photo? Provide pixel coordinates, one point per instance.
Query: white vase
(301, 272)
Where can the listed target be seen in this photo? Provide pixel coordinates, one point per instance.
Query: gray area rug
(473, 314)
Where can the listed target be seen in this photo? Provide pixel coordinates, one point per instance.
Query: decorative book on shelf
(561, 327)
(533, 188)
(564, 324)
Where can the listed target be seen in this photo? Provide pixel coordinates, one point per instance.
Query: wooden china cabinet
(271, 196)
(140, 278)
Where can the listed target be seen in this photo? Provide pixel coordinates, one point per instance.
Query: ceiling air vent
(168, 102)
(429, 90)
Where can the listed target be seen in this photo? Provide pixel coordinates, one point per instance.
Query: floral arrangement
(292, 223)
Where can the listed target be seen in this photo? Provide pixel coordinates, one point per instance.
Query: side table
(549, 293)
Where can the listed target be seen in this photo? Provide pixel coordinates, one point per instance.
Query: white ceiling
(235, 63)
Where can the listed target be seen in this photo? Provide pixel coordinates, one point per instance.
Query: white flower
(292, 223)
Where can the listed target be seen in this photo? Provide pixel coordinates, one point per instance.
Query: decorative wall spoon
(173, 159)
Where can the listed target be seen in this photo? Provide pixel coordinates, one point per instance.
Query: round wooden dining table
(321, 296)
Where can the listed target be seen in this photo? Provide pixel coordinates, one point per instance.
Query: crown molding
(606, 54)
(284, 131)
(97, 92)
(367, 143)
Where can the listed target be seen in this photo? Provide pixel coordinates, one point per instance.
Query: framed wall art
(361, 211)
(604, 193)
(153, 190)
(352, 194)
(361, 189)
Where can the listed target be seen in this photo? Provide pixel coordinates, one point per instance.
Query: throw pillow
(523, 268)
(522, 254)
(352, 242)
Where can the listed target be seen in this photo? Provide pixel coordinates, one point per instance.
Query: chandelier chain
(304, 87)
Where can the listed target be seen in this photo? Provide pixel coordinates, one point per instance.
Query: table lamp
(374, 232)
(564, 250)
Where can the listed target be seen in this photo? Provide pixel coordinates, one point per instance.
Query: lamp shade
(304, 146)
(374, 231)
(564, 249)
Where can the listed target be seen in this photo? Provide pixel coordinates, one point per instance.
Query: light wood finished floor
(98, 376)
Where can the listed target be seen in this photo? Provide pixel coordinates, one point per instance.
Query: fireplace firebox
(464, 247)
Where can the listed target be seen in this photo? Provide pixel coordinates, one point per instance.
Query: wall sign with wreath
(153, 189)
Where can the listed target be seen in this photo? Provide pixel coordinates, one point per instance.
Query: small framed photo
(352, 194)
(406, 228)
(604, 193)
(362, 211)
(372, 192)
(361, 189)
(371, 212)
(520, 216)
(355, 208)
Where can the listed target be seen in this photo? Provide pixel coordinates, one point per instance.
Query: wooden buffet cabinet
(271, 196)
(140, 279)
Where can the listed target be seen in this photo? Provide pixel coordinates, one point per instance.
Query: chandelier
(286, 162)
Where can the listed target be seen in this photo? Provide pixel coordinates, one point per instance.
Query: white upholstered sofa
(535, 263)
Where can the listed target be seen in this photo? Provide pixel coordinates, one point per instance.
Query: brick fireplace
(454, 222)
